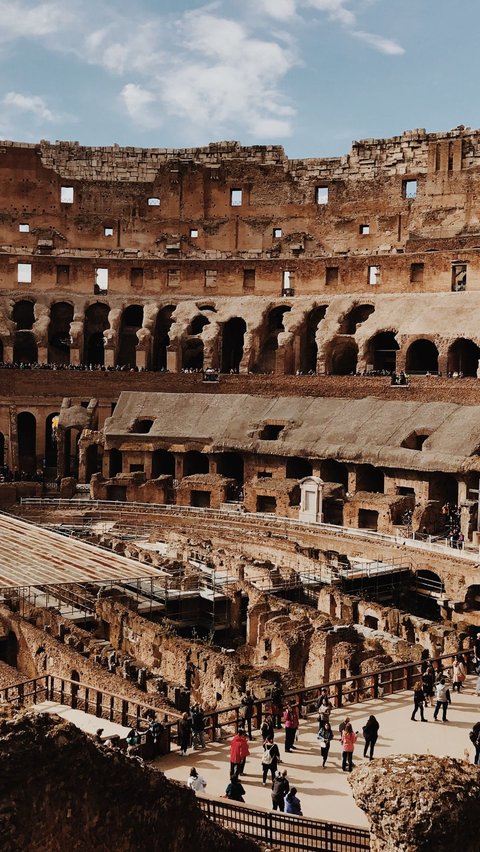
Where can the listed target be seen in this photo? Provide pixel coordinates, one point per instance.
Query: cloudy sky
(310, 74)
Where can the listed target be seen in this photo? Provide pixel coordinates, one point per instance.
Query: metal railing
(285, 832)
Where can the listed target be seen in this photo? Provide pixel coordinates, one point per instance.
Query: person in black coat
(418, 701)
(370, 732)
(270, 758)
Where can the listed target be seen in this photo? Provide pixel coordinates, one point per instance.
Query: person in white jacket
(195, 781)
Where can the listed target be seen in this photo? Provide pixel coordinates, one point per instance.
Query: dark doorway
(231, 466)
(267, 505)
(382, 351)
(444, 488)
(233, 334)
(343, 357)
(334, 471)
(272, 329)
(115, 462)
(23, 315)
(200, 499)
(422, 357)
(96, 322)
(51, 444)
(72, 437)
(92, 462)
(161, 337)
(198, 324)
(367, 519)
(25, 350)
(192, 354)
(27, 442)
(132, 319)
(195, 462)
(61, 315)
(163, 462)
(309, 348)
(370, 478)
(9, 649)
(297, 468)
(463, 357)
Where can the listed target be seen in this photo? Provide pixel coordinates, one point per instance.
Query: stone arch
(233, 335)
(463, 357)
(192, 354)
(23, 314)
(382, 351)
(131, 322)
(96, 323)
(342, 356)
(115, 462)
(161, 337)
(27, 442)
(443, 487)
(422, 357)
(61, 315)
(334, 471)
(308, 339)
(231, 465)
(370, 478)
(163, 462)
(51, 443)
(198, 324)
(298, 468)
(357, 315)
(25, 349)
(9, 648)
(272, 327)
(429, 581)
(195, 462)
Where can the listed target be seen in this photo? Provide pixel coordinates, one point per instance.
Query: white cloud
(22, 20)
(281, 10)
(384, 45)
(336, 11)
(33, 104)
(139, 103)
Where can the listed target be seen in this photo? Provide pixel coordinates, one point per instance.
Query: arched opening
(9, 649)
(51, 445)
(472, 598)
(382, 352)
(132, 319)
(233, 335)
(71, 452)
(298, 468)
(342, 360)
(61, 315)
(463, 357)
(192, 354)
(96, 322)
(273, 328)
(231, 466)
(25, 349)
(370, 478)
(308, 360)
(2, 449)
(27, 442)
(422, 357)
(23, 315)
(428, 581)
(163, 463)
(115, 462)
(161, 337)
(444, 488)
(195, 462)
(93, 462)
(198, 324)
(370, 621)
(355, 317)
(334, 471)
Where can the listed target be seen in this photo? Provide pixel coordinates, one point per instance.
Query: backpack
(267, 757)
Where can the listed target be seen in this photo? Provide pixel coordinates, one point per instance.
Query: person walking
(370, 732)
(325, 736)
(198, 726)
(267, 730)
(459, 673)
(247, 706)
(349, 738)
(442, 698)
(235, 790)
(475, 739)
(324, 707)
(428, 682)
(418, 701)
(292, 803)
(239, 752)
(290, 719)
(277, 704)
(280, 788)
(270, 758)
(184, 732)
(195, 781)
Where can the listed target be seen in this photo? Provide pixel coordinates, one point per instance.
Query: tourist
(247, 706)
(325, 735)
(292, 803)
(239, 752)
(195, 781)
(324, 707)
(280, 788)
(428, 682)
(184, 732)
(459, 673)
(270, 758)
(290, 719)
(235, 790)
(343, 725)
(370, 732)
(277, 704)
(267, 729)
(418, 701)
(476, 663)
(198, 726)
(475, 739)
(442, 698)
(349, 738)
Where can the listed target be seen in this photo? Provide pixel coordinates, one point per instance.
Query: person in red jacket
(349, 738)
(239, 752)
(290, 720)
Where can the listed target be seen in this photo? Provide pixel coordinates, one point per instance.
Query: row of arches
(422, 356)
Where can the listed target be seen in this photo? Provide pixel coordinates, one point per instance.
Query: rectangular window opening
(63, 274)
(364, 229)
(321, 194)
(154, 202)
(108, 232)
(416, 273)
(236, 197)
(101, 280)
(210, 278)
(331, 275)
(277, 233)
(193, 233)
(373, 275)
(249, 280)
(459, 277)
(271, 431)
(24, 228)
(66, 194)
(136, 468)
(24, 273)
(173, 278)
(409, 188)
(136, 277)
(287, 282)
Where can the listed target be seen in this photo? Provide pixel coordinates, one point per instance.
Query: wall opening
(422, 357)
(463, 357)
(370, 478)
(192, 354)
(367, 519)
(161, 337)
(334, 471)
(308, 338)
(25, 349)
(51, 445)
(342, 357)
(382, 352)
(266, 505)
(195, 462)
(23, 314)
(132, 319)
(233, 335)
(355, 317)
(61, 315)
(96, 323)
(231, 466)
(163, 463)
(273, 327)
(200, 499)
(298, 468)
(115, 462)
(27, 442)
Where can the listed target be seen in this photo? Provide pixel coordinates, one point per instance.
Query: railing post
(62, 691)
(125, 713)
(375, 685)
(98, 702)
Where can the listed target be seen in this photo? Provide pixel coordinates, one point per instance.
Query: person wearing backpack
(280, 788)
(442, 697)
(270, 758)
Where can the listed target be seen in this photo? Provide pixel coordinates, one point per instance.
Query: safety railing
(284, 832)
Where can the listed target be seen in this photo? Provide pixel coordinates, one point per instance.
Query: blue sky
(312, 75)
